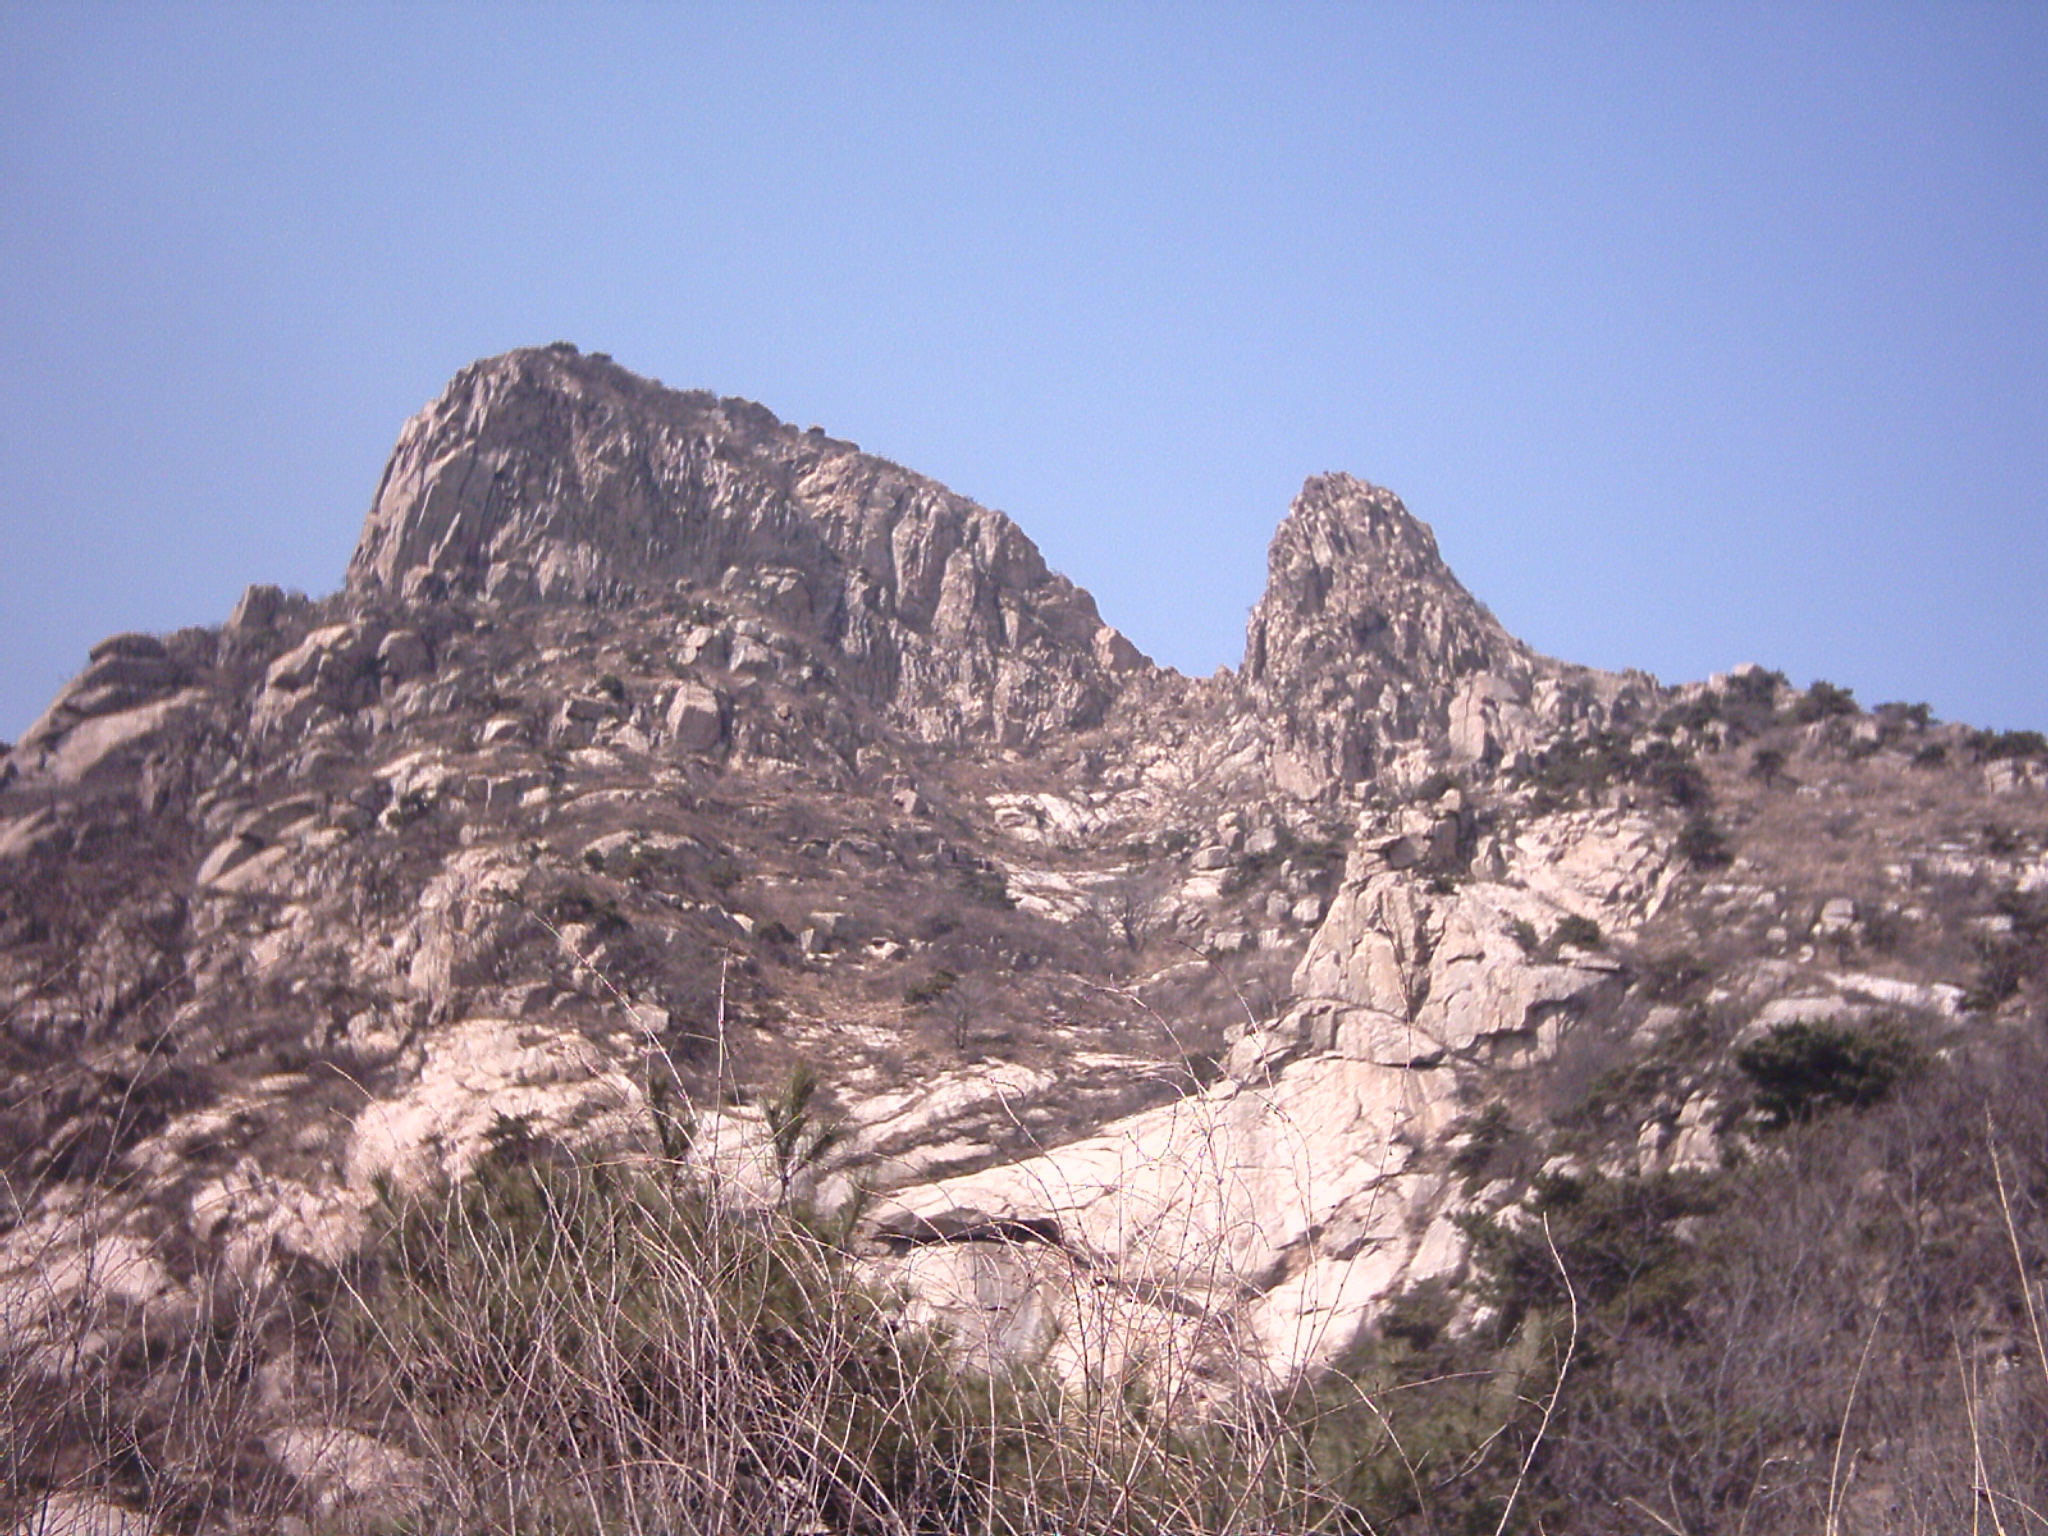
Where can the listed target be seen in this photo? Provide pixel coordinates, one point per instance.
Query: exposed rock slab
(1221, 1198)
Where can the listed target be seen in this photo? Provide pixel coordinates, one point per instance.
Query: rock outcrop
(670, 787)
(549, 475)
(1366, 647)
(1284, 1207)
(1362, 635)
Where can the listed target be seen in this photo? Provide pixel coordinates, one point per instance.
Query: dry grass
(565, 1347)
(556, 1347)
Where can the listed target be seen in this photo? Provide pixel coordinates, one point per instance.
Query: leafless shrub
(1842, 1335)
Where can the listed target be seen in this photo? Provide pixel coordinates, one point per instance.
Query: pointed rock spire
(1363, 635)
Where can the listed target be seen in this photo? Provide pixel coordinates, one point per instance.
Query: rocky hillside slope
(1223, 1035)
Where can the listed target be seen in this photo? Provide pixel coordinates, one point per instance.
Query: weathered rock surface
(657, 760)
(482, 1079)
(547, 475)
(1282, 1208)
(1365, 645)
(1286, 1205)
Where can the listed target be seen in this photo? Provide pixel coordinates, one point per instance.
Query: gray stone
(945, 612)
(100, 744)
(84, 1514)
(301, 666)
(345, 1468)
(1837, 916)
(473, 1075)
(1819, 1008)
(696, 718)
(402, 655)
(1227, 1194)
(257, 610)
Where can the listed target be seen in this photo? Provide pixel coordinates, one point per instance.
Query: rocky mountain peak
(1364, 636)
(549, 475)
(655, 755)
(1340, 522)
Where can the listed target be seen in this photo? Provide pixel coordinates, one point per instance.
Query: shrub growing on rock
(1823, 701)
(1997, 746)
(925, 992)
(1576, 932)
(1803, 1069)
(1746, 705)
(1703, 845)
(1674, 977)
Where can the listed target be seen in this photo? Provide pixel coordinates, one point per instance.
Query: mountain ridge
(887, 566)
(1202, 1033)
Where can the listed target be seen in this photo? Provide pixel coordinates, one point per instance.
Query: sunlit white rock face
(1276, 1213)
(481, 1076)
(1284, 1206)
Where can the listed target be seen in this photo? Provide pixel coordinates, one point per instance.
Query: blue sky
(1699, 334)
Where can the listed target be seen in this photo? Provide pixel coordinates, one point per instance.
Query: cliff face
(1357, 593)
(552, 476)
(654, 750)
(1362, 636)
(548, 476)
(1365, 648)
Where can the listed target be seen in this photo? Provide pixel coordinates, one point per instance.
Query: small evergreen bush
(1823, 701)
(922, 994)
(1803, 1069)
(1703, 845)
(1576, 932)
(1997, 746)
